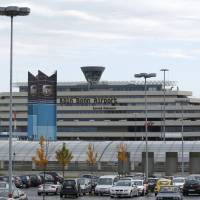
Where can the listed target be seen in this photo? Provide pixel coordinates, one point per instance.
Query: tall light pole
(145, 76)
(12, 11)
(164, 70)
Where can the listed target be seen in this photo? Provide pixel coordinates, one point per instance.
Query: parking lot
(32, 195)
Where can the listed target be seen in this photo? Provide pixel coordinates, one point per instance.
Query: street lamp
(182, 101)
(12, 11)
(164, 70)
(145, 76)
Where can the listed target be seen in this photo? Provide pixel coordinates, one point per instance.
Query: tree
(91, 156)
(41, 158)
(122, 153)
(122, 159)
(64, 156)
(41, 155)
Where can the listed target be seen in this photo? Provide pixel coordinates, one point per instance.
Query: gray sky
(125, 36)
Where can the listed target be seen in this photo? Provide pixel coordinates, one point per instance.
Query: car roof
(108, 176)
(71, 179)
(179, 178)
(164, 179)
(137, 180)
(122, 180)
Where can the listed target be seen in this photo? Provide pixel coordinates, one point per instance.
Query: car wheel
(56, 192)
(61, 195)
(39, 194)
(142, 193)
(185, 194)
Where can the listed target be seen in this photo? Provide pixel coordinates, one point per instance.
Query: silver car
(85, 185)
(169, 192)
(49, 188)
(17, 194)
(123, 188)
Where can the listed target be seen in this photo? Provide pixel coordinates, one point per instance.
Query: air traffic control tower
(92, 74)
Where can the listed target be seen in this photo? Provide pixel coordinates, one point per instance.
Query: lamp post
(164, 70)
(145, 76)
(12, 11)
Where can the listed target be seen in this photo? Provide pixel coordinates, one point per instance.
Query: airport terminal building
(106, 114)
(103, 110)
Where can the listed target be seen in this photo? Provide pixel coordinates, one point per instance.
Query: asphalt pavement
(32, 195)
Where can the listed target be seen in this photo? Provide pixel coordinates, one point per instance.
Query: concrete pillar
(99, 165)
(33, 165)
(150, 162)
(194, 162)
(1, 164)
(171, 163)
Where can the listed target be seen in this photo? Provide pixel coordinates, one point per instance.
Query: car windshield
(105, 181)
(164, 183)
(69, 183)
(151, 180)
(123, 183)
(82, 181)
(168, 190)
(137, 182)
(179, 180)
(86, 176)
(192, 182)
(194, 178)
(49, 182)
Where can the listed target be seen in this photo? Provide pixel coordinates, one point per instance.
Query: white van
(105, 183)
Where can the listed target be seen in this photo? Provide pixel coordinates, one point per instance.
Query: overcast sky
(125, 36)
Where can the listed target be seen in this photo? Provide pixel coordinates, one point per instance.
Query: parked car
(169, 192)
(57, 176)
(4, 185)
(4, 179)
(93, 178)
(85, 185)
(18, 182)
(194, 176)
(35, 180)
(162, 182)
(105, 183)
(49, 188)
(17, 194)
(152, 183)
(123, 188)
(70, 187)
(141, 186)
(48, 178)
(179, 182)
(191, 186)
(139, 176)
(25, 181)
